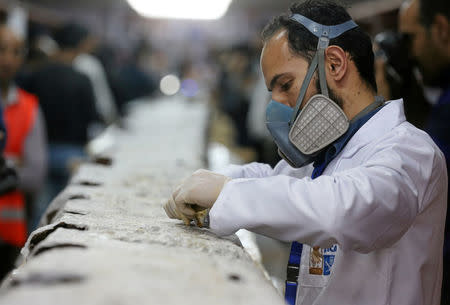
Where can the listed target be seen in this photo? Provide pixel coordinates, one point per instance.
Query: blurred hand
(198, 192)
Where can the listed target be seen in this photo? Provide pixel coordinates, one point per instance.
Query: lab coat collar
(387, 118)
(355, 124)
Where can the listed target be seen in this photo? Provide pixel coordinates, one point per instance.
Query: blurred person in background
(67, 101)
(397, 77)
(236, 82)
(427, 25)
(25, 149)
(240, 99)
(109, 57)
(136, 79)
(12, 212)
(265, 147)
(85, 62)
(40, 46)
(241, 95)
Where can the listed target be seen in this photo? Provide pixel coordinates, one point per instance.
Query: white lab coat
(379, 208)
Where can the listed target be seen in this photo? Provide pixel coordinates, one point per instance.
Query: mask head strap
(324, 33)
(320, 30)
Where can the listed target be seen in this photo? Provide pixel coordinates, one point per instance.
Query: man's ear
(335, 62)
(440, 30)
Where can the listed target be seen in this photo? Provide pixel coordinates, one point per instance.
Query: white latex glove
(198, 192)
(171, 211)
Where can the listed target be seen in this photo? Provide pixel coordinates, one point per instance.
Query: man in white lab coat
(365, 209)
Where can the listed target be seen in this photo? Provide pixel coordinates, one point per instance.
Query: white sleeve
(251, 170)
(363, 208)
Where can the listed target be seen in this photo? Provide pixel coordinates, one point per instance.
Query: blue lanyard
(295, 256)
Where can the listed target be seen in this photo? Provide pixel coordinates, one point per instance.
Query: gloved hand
(171, 211)
(198, 192)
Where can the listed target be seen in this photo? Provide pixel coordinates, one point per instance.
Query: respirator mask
(302, 134)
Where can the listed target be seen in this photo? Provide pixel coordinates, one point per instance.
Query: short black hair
(430, 8)
(70, 35)
(302, 42)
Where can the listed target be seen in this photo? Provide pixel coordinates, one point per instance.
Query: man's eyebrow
(274, 80)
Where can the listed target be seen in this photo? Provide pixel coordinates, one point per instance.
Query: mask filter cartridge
(319, 124)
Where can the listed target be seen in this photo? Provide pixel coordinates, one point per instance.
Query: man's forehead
(276, 46)
(274, 53)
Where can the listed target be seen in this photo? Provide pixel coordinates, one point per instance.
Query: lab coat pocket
(315, 271)
(316, 266)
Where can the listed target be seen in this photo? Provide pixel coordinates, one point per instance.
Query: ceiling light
(181, 9)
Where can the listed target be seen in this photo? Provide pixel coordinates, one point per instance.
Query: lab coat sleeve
(251, 170)
(363, 208)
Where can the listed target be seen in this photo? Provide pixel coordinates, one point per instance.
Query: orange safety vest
(19, 120)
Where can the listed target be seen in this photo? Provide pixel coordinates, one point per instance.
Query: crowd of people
(59, 88)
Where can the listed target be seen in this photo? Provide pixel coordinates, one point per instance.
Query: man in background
(25, 145)
(89, 65)
(427, 25)
(68, 104)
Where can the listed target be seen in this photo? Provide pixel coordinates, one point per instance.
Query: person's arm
(251, 170)
(261, 170)
(91, 119)
(363, 208)
(104, 101)
(33, 169)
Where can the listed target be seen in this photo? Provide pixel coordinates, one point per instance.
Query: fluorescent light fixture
(181, 9)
